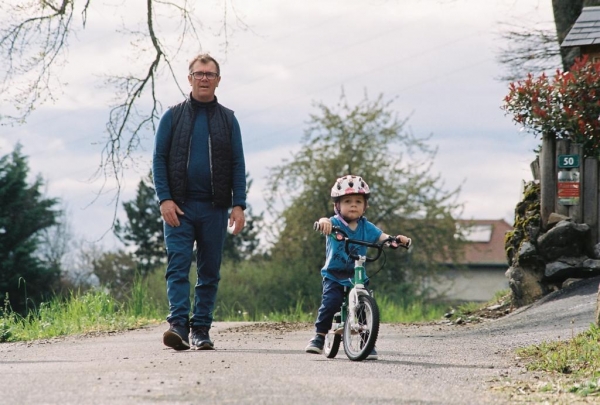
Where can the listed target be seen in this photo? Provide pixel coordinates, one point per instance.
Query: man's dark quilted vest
(220, 125)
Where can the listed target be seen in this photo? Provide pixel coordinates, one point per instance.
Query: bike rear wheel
(332, 345)
(361, 329)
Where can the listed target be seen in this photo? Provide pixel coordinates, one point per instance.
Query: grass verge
(93, 311)
(571, 366)
(97, 311)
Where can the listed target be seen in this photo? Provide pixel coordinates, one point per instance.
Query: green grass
(236, 313)
(392, 311)
(575, 362)
(93, 311)
(97, 311)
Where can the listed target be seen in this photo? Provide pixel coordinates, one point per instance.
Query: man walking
(199, 175)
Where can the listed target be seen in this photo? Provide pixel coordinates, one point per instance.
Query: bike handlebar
(340, 235)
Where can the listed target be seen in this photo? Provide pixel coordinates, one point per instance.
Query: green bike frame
(351, 295)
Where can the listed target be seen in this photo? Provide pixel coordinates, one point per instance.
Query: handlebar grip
(395, 243)
(316, 226)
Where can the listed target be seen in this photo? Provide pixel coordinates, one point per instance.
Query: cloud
(434, 59)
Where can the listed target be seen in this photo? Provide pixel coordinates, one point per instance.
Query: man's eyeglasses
(208, 75)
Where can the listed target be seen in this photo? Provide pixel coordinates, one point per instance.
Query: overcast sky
(436, 59)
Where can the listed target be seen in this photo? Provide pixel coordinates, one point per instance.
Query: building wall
(472, 285)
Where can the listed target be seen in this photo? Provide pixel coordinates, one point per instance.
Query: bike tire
(332, 345)
(362, 329)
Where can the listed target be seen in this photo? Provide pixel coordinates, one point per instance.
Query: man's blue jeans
(206, 226)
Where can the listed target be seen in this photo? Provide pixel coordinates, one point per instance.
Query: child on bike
(350, 196)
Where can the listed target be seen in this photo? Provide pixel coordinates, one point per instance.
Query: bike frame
(359, 289)
(351, 296)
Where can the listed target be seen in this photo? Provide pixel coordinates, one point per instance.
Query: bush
(566, 106)
(262, 287)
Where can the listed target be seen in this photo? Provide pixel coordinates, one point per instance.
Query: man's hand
(237, 219)
(169, 211)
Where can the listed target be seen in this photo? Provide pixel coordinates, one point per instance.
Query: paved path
(419, 364)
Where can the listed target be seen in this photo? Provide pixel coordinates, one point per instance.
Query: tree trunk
(565, 15)
(548, 182)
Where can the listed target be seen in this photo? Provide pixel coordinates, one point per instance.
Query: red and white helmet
(349, 184)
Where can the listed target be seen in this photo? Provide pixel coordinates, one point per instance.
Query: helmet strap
(338, 215)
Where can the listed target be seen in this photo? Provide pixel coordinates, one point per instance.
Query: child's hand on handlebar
(323, 225)
(403, 240)
(400, 240)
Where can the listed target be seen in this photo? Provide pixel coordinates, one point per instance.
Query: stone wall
(544, 260)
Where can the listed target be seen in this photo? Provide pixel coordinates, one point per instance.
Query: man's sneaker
(177, 337)
(200, 338)
(372, 355)
(316, 345)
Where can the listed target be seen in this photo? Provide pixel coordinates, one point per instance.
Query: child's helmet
(349, 184)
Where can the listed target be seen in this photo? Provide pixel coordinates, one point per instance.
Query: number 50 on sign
(568, 161)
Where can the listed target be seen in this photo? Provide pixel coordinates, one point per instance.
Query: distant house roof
(586, 30)
(485, 239)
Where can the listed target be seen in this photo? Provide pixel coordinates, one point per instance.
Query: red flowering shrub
(567, 105)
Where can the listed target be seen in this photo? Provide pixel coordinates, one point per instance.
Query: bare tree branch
(529, 50)
(84, 12)
(33, 44)
(30, 48)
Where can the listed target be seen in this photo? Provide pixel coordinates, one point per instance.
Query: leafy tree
(24, 213)
(116, 271)
(78, 265)
(55, 242)
(368, 140)
(566, 105)
(144, 228)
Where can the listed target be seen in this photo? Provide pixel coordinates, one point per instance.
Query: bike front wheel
(361, 329)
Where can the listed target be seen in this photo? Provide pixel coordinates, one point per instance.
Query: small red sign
(568, 189)
(568, 192)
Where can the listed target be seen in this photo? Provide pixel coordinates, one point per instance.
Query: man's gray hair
(204, 58)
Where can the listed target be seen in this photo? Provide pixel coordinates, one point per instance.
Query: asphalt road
(266, 364)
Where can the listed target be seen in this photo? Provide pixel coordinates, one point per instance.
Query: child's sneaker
(316, 345)
(372, 355)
